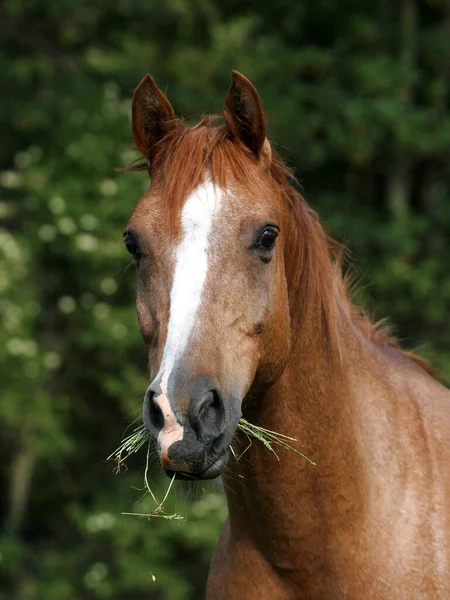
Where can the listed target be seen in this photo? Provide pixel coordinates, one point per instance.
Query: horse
(245, 311)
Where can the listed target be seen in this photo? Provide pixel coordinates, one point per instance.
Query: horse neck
(313, 403)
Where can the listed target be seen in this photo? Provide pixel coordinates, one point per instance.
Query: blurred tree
(357, 98)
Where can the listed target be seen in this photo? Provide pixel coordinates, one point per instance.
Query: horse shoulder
(414, 498)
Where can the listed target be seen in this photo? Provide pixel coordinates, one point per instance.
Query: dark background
(356, 96)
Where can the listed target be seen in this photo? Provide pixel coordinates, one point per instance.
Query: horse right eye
(131, 245)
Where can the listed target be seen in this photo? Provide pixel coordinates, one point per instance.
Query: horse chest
(347, 569)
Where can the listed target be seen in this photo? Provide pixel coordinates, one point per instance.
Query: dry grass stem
(159, 510)
(135, 441)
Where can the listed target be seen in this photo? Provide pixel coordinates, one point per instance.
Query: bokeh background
(357, 100)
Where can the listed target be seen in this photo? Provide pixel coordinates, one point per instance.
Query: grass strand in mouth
(158, 511)
(135, 441)
(270, 438)
(131, 444)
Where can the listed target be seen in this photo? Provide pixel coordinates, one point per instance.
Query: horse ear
(152, 116)
(244, 115)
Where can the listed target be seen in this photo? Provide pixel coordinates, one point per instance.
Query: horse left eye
(267, 239)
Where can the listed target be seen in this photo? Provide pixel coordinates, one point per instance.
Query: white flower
(108, 285)
(67, 225)
(108, 187)
(67, 305)
(86, 242)
(57, 205)
(47, 232)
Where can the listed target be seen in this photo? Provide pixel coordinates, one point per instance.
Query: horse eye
(131, 245)
(267, 239)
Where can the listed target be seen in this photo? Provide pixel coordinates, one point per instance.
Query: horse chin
(214, 470)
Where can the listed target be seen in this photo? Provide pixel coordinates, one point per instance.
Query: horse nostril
(153, 416)
(210, 403)
(207, 418)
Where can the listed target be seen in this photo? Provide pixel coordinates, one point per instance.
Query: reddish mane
(180, 162)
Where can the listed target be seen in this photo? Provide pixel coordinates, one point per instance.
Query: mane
(315, 271)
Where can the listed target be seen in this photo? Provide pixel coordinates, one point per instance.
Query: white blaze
(191, 267)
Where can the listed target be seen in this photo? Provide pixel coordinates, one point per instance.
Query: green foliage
(356, 97)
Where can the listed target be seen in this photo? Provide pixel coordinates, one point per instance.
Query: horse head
(210, 239)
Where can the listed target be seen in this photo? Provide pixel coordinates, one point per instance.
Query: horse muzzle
(192, 437)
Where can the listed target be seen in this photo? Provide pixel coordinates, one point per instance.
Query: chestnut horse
(244, 311)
